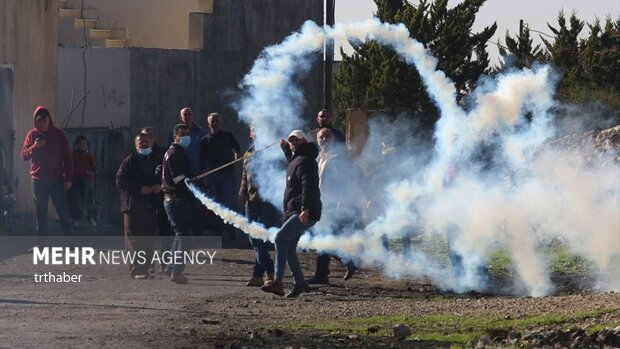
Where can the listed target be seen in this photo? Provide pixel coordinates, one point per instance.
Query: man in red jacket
(51, 168)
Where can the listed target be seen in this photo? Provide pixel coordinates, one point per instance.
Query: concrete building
(138, 62)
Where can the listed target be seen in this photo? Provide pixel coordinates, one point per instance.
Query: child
(82, 193)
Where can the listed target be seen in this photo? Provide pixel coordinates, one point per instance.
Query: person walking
(302, 210)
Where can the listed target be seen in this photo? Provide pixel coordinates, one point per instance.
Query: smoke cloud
(488, 181)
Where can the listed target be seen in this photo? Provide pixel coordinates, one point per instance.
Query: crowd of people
(157, 202)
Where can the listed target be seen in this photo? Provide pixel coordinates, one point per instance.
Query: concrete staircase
(79, 27)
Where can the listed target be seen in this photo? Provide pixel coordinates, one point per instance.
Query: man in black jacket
(324, 119)
(163, 226)
(302, 209)
(178, 200)
(218, 148)
(140, 188)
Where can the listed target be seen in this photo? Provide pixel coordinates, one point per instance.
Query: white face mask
(144, 151)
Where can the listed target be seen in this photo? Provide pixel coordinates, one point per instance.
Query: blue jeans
(265, 214)
(286, 248)
(42, 190)
(179, 211)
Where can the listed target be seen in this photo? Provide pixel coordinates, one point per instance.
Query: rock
(354, 337)
(401, 331)
(210, 322)
(611, 338)
(276, 332)
(483, 342)
(372, 329)
(192, 332)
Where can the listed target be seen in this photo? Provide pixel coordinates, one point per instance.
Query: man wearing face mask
(186, 117)
(140, 188)
(178, 199)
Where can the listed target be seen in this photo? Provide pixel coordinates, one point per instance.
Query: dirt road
(217, 310)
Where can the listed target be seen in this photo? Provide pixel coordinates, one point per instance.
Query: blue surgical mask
(184, 141)
(144, 151)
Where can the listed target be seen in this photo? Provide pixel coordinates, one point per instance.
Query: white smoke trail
(490, 181)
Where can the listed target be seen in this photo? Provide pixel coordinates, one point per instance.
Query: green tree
(376, 78)
(521, 51)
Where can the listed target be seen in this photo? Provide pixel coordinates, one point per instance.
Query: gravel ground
(217, 310)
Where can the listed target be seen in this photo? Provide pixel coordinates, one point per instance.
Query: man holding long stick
(302, 209)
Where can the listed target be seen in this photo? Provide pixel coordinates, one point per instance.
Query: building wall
(108, 104)
(29, 44)
(157, 23)
(164, 81)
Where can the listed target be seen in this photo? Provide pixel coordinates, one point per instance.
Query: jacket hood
(308, 149)
(45, 110)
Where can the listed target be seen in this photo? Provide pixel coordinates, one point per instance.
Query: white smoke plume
(488, 181)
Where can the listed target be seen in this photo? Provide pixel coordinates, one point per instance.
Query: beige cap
(299, 134)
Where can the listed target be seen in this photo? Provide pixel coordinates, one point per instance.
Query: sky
(507, 13)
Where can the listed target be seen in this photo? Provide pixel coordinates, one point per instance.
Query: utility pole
(328, 62)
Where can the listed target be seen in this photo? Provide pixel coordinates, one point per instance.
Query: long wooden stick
(234, 161)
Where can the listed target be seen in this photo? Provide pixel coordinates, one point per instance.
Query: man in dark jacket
(163, 225)
(51, 168)
(186, 117)
(302, 209)
(324, 119)
(140, 188)
(218, 148)
(178, 199)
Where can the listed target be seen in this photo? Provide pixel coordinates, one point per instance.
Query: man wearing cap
(302, 209)
(51, 168)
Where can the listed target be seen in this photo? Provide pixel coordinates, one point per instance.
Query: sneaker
(275, 287)
(298, 289)
(256, 281)
(92, 222)
(142, 277)
(178, 278)
(351, 269)
(318, 280)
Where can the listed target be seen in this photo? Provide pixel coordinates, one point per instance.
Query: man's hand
(155, 189)
(284, 144)
(39, 142)
(144, 190)
(304, 216)
(68, 185)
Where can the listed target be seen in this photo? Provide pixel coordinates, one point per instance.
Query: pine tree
(376, 78)
(520, 51)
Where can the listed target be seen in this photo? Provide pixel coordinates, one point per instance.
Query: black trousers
(140, 230)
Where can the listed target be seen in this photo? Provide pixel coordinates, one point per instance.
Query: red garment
(52, 161)
(84, 162)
